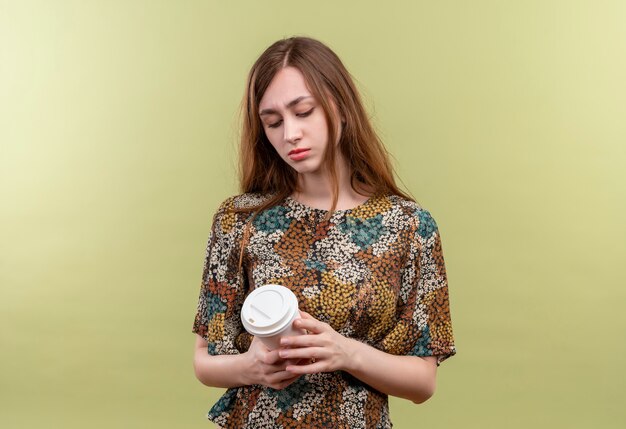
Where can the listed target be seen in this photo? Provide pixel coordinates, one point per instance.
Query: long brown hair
(261, 168)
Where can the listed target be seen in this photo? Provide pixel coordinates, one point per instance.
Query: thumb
(259, 344)
(305, 315)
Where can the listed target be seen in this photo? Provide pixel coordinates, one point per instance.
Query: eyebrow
(288, 105)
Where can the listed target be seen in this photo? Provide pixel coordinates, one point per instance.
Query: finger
(311, 325)
(299, 341)
(303, 353)
(312, 368)
(286, 383)
(273, 369)
(278, 366)
(290, 382)
(291, 362)
(305, 315)
(281, 377)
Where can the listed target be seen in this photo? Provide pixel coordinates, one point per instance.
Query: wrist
(352, 356)
(243, 369)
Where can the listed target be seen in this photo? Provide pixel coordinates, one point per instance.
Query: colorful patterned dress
(375, 273)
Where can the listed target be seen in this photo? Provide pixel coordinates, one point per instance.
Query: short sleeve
(424, 325)
(223, 287)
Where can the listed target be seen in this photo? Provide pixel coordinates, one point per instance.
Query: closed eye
(305, 114)
(300, 115)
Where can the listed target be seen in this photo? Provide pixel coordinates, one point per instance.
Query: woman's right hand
(266, 368)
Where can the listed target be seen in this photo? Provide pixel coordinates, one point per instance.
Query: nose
(292, 130)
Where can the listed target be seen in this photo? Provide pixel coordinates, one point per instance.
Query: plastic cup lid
(268, 309)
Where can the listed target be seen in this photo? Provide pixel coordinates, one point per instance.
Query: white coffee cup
(268, 313)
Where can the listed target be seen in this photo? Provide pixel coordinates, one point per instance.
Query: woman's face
(294, 121)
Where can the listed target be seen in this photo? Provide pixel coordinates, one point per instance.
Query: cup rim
(282, 322)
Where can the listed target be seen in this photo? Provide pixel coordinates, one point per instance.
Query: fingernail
(284, 342)
(282, 354)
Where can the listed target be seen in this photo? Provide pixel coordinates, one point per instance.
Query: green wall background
(118, 125)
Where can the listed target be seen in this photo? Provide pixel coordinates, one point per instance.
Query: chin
(305, 170)
(305, 167)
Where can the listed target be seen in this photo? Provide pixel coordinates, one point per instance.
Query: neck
(315, 189)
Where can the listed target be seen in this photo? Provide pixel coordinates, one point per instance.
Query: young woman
(319, 213)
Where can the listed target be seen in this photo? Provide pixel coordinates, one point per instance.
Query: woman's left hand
(323, 347)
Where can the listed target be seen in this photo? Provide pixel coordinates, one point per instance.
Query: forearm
(408, 377)
(219, 370)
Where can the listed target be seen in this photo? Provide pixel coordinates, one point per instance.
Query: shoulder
(420, 219)
(242, 201)
(409, 208)
(231, 214)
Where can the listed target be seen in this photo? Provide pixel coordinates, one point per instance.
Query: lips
(299, 154)
(296, 151)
